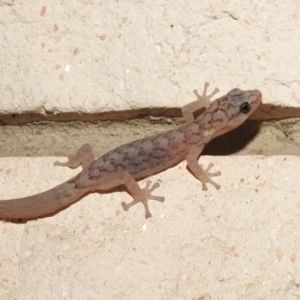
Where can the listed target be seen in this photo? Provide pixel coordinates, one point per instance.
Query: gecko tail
(29, 207)
(41, 204)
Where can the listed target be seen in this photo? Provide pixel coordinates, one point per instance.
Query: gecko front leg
(197, 170)
(202, 101)
(84, 156)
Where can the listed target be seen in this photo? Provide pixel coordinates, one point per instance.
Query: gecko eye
(245, 107)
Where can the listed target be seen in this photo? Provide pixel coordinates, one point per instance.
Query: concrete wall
(241, 242)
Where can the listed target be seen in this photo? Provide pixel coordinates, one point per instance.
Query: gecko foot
(203, 102)
(84, 157)
(204, 98)
(205, 178)
(144, 196)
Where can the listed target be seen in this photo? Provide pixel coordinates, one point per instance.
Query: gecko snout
(258, 95)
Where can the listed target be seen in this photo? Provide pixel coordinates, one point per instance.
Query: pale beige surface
(113, 55)
(241, 242)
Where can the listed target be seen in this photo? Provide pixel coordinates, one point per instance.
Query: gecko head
(231, 110)
(240, 105)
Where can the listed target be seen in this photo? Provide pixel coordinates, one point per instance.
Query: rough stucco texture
(241, 242)
(114, 55)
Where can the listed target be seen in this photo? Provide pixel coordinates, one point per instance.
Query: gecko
(126, 164)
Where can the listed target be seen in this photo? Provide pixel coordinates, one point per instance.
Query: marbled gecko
(128, 163)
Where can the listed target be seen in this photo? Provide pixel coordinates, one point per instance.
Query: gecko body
(130, 162)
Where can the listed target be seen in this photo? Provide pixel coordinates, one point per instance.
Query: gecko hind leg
(84, 156)
(143, 196)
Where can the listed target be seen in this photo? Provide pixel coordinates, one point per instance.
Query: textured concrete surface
(241, 242)
(100, 56)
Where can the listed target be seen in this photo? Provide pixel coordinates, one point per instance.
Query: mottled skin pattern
(128, 163)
